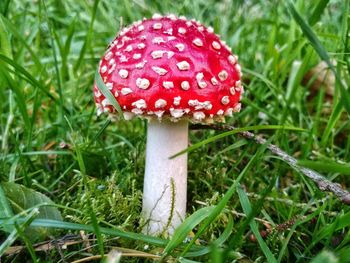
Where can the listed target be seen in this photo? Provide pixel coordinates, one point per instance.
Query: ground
(257, 208)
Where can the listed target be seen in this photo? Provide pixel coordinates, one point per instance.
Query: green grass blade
(292, 86)
(5, 209)
(66, 48)
(341, 222)
(88, 36)
(237, 130)
(325, 257)
(24, 223)
(236, 240)
(19, 96)
(317, 12)
(34, 153)
(105, 91)
(5, 45)
(34, 56)
(89, 228)
(184, 260)
(326, 166)
(333, 119)
(320, 50)
(11, 238)
(247, 210)
(292, 230)
(4, 6)
(218, 242)
(221, 205)
(20, 71)
(184, 229)
(56, 67)
(21, 234)
(100, 131)
(92, 213)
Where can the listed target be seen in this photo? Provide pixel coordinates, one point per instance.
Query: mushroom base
(165, 182)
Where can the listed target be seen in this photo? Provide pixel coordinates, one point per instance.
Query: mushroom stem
(165, 182)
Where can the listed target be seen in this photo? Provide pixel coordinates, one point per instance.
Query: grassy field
(53, 145)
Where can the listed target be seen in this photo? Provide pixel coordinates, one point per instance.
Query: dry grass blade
(125, 252)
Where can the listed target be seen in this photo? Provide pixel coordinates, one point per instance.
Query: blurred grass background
(53, 143)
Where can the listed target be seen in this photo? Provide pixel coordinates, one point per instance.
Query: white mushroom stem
(165, 182)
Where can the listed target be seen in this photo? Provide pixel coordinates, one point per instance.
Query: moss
(109, 204)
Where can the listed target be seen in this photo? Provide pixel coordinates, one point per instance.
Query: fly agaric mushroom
(170, 71)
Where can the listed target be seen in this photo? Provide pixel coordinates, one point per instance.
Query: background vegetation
(53, 145)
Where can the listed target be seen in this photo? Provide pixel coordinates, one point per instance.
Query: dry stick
(323, 183)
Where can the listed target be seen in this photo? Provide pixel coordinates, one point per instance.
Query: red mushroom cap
(173, 68)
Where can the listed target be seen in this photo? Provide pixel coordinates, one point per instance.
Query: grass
(243, 203)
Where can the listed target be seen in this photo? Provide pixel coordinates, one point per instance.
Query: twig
(322, 183)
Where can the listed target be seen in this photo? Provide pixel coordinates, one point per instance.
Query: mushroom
(170, 71)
